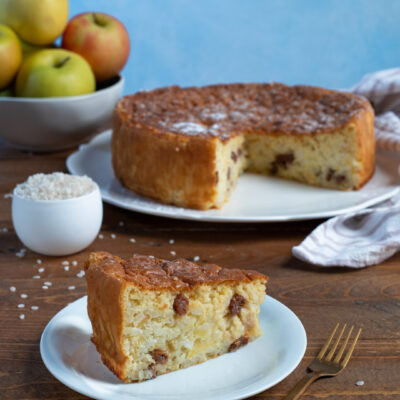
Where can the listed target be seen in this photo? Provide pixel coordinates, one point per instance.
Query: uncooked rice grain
(55, 186)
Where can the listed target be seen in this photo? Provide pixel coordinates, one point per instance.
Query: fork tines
(339, 354)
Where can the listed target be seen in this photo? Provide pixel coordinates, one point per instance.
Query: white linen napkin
(369, 236)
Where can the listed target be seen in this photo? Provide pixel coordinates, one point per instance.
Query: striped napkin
(369, 236)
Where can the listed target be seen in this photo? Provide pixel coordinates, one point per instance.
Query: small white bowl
(56, 123)
(58, 227)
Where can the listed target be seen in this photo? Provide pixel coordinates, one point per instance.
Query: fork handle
(301, 386)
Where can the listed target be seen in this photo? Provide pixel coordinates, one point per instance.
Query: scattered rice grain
(171, 241)
(41, 269)
(21, 305)
(74, 263)
(80, 274)
(13, 288)
(47, 283)
(360, 383)
(8, 196)
(34, 308)
(121, 223)
(113, 236)
(36, 277)
(45, 287)
(23, 296)
(173, 253)
(66, 268)
(196, 258)
(132, 240)
(101, 236)
(72, 287)
(65, 262)
(38, 261)
(5, 230)
(22, 316)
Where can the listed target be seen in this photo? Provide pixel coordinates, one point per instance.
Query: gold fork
(324, 366)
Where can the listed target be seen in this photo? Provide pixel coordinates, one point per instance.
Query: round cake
(188, 146)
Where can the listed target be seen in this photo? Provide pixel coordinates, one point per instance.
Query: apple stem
(62, 62)
(96, 20)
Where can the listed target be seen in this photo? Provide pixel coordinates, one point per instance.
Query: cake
(152, 316)
(188, 146)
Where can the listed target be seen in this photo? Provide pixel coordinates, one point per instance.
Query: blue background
(195, 42)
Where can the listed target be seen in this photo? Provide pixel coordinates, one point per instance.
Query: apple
(7, 92)
(101, 39)
(54, 73)
(38, 22)
(28, 49)
(10, 55)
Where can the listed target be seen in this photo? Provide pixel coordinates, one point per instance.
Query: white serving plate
(256, 198)
(70, 356)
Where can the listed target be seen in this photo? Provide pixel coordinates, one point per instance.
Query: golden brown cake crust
(157, 274)
(226, 110)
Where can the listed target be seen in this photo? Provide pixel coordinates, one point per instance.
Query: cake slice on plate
(152, 316)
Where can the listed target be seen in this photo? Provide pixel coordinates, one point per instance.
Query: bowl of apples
(56, 97)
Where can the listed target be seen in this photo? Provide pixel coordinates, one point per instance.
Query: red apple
(101, 39)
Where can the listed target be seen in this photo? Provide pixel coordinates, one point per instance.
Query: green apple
(54, 73)
(38, 22)
(28, 49)
(8, 92)
(10, 55)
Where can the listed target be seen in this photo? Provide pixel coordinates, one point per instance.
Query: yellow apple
(54, 73)
(10, 55)
(38, 22)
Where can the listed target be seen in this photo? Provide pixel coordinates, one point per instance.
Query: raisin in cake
(153, 316)
(188, 146)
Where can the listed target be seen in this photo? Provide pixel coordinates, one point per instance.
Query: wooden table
(369, 298)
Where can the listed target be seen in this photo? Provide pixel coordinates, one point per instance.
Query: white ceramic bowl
(58, 227)
(56, 123)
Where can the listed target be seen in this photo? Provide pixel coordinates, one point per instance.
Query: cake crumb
(173, 253)
(22, 316)
(23, 296)
(66, 268)
(34, 308)
(113, 236)
(44, 287)
(132, 240)
(360, 383)
(36, 277)
(74, 263)
(41, 269)
(101, 236)
(171, 241)
(72, 287)
(21, 305)
(13, 288)
(196, 258)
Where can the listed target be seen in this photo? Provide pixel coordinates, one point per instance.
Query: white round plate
(70, 356)
(257, 198)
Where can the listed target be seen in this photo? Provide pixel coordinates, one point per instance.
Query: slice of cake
(152, 316)
(188, 146)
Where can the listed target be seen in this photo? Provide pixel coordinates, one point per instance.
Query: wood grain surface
(369, 298)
